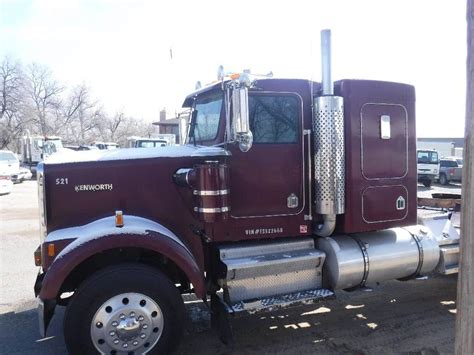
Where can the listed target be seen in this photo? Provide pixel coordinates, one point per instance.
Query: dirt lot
(413, 317)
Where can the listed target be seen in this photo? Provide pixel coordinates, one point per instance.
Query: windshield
(208, 115)
(427, 157)
(460, 161)
(7, 156)
(58, 144)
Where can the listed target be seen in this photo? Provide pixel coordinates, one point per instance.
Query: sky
(122, 49)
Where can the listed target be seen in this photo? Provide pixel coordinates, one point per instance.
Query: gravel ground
(413, 317)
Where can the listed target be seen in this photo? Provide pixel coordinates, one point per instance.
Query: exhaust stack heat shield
(329, 171)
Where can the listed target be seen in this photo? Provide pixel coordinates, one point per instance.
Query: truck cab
(286, 191)
(148, 142)
(428, 166)
(34, 149)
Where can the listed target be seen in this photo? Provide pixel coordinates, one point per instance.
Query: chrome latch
(292, 201)
(385, 127)
(400, 203)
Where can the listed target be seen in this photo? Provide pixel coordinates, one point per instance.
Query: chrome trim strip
(210, 151)
(362, 142)
(307, 132)
(388, 220)
(210, 192)
(420, 252)
(212, 210)
(365, 255)
(302, 155)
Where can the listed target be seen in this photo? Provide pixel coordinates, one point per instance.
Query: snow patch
(135, 153)
(106, 226)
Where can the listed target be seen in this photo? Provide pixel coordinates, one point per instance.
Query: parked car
(9, 163)
(106, 145)
(87, 147)
(450, 169)
(6, 184)
(22, 175)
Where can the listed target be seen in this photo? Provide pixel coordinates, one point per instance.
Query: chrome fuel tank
(356, 259)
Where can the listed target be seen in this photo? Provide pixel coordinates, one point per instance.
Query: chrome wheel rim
(128, 323)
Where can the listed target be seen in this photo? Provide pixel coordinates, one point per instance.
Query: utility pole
(465, 297)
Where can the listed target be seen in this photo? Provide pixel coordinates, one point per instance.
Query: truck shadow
(413, 317)
(19, 334)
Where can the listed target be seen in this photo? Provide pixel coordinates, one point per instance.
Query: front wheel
(427, 183)
(124, 309)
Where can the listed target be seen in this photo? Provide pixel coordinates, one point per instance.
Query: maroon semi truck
(286, 191)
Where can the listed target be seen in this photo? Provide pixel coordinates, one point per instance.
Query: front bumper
(426, 177)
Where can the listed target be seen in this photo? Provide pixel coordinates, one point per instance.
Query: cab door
(267, 180)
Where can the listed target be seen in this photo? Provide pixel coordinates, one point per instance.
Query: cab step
(263, 269)
(281, 301)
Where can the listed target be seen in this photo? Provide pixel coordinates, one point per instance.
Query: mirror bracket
(245, 141)
(240, 118)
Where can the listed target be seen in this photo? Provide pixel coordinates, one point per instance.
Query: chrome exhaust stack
(329, 160)
(327, 83)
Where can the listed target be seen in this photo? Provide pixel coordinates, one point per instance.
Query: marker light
(234, 76)
(51, 250)
(118, 219)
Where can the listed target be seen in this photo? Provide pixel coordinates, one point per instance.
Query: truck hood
(136, 153)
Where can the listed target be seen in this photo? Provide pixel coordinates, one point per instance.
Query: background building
(444, 146)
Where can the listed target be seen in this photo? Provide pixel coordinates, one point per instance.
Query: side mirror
(240, 121)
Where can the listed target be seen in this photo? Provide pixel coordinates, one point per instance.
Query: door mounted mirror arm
(240, 128)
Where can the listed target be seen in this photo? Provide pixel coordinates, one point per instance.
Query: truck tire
(124, 309)
(443, 180)
(427, 183)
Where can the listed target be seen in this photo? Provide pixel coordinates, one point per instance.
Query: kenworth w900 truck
(286, 191)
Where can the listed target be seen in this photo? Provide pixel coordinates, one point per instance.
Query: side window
(274, 118)
(208, 116)
(448, 164)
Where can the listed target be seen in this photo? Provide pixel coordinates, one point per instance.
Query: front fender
(103, 235)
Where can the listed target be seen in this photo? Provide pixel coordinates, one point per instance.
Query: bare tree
(119, 127)
(34, 101)
(81, 114)
(11, 102)
(44, 92)
(109, 127)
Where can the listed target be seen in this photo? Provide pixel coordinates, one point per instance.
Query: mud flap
(220, 320)
(45, 313)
